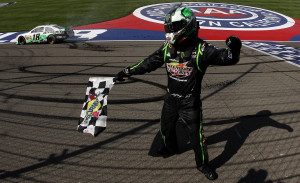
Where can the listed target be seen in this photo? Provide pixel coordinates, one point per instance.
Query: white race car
(45, 33)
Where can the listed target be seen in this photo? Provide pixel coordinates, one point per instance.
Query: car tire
(51, 39)
(21, 40)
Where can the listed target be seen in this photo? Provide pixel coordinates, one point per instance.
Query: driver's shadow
(237, 135)
(234, 136)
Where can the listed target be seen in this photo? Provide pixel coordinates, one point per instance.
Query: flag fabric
(94, 111)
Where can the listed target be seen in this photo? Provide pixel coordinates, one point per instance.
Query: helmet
(180, 23)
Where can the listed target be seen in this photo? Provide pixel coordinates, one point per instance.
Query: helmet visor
(175, 26)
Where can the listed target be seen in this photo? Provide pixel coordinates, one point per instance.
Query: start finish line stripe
(280, 51)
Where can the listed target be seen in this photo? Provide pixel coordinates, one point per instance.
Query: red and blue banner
(217, 22)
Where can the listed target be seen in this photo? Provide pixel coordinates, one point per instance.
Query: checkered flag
(94, 111)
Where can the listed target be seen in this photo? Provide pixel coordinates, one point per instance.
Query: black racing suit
(185, 67)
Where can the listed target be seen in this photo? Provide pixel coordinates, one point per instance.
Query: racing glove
(234, 43)
(125, 73)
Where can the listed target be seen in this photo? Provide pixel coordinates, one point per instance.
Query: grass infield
(26, 14)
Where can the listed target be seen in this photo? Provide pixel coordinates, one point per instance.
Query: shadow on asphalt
(234, 136)
(256, 176)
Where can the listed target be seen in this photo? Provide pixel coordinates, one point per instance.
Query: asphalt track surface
(251, 116)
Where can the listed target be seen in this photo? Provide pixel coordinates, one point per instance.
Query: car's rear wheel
(21, 40)
(51, 39)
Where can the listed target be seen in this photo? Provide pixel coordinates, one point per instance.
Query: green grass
(26, 14)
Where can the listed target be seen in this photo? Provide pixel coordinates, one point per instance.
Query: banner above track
(217, 22)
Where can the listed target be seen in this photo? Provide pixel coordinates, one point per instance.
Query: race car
(45, 33)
